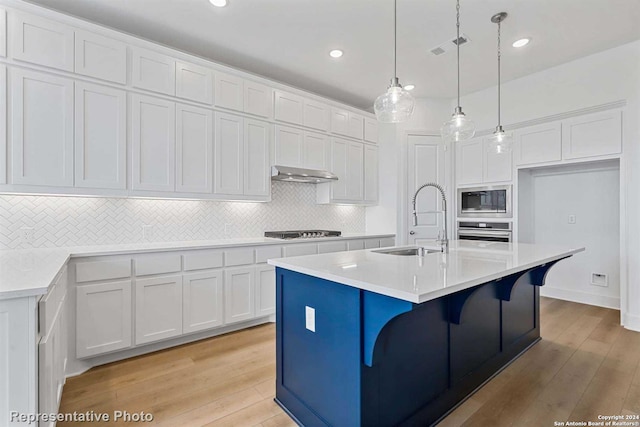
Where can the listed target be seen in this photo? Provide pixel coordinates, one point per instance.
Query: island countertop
(419, 279)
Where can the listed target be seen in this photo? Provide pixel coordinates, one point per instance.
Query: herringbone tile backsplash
(73, 221)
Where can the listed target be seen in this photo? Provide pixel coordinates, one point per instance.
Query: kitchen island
(370, 338)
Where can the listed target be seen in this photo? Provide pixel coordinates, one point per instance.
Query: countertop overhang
(419, 279)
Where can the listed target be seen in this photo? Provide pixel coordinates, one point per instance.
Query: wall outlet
(599, 279)
(147, 232)
(571, 219)
(228, 230)
(26, 235)
(310, 318)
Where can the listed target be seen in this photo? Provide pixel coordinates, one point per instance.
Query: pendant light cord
(458, 45)
(395, 39)
(499, 24)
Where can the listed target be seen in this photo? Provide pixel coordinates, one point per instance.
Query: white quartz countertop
(30, 272)
(420, 279)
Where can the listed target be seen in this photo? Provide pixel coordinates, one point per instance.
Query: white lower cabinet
(239, 294)
(265, 290)
(201, 301)
(158, 308)
(103, 318)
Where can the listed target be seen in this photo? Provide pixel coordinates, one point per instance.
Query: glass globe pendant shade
(500, 141)
(395, 105)
(459, 128)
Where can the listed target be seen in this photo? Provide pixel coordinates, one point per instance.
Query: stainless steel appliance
(290, 174)
(301, 234)
(487, 231)
(485, 202)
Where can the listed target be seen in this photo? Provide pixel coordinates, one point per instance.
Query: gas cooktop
(301, 234)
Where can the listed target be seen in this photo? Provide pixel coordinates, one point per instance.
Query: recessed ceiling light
(336, 53)
(521, 42)
(409, 87)
(218, 3)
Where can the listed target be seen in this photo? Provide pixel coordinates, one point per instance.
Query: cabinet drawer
(102, 270)
(355, 245)
(201, 260)
(387, 241)
(157, 264)
(50, 304)
(267, 252)
(299, 250)
(238, 257)
(327, 247)
(371, 243)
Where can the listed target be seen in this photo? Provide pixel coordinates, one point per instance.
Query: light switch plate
(310, 318)
(571, 219)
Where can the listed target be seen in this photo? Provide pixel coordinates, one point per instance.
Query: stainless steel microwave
(485, 202)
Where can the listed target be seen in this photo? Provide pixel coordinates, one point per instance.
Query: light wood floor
(585, 365)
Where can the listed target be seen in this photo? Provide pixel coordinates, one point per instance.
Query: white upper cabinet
(339, 167)
(153, 71)
(371, 130)
(101, 137)
(538, 144)
(201, 301)
(597, 134)
(288, 146)
(355, 171)
(288, 107)
(229, 92)
(340, 121)
(316, 115)
(194, 149)
(41, 129)
(100, 57)
(229, 154)
(356, 126)
(370, 173)
(257, 99)
(152, 144)
(3, 32)
(194, 83)
(496, 167)
(315, 151)
(257, 178)
(3, 124)
(41, 41)
(469, 158)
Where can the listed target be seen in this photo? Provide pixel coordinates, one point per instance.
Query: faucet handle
(440, 237)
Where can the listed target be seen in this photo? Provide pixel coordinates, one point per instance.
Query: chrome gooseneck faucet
(444, 241)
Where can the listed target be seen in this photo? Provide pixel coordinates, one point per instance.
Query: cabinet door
(538, 144)
(101, 137)
(51, 363)
(370, 174)
(194, 82)
(339, 167)
(496, 167)
(340, 121)
(316, 115)
(265, 290)
(355, 171)
(41, 41)
(257, 179)
(103, 318)
(371, 130)
(257, 99)
(598, 134)
(229, 154)
(42, 129)
(153, 143)
(100, 57)
(239, 294)
(469, 157)
(201, 301)
(3, 124)
(288, 146)
(158, 308)
(288, 107)
(3, 33)
(194, 149)
(229, 92)
(356, 126)
(315, 151)
(153, 71)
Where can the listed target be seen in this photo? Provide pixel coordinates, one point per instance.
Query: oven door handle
(484, 233)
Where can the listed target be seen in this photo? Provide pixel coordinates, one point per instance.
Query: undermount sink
(411, 251)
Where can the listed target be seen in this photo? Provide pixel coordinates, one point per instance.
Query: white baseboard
(631, 321)
(581, 297)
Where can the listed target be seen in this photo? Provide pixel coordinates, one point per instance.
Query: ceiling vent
(450, 45)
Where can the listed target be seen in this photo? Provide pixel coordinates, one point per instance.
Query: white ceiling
(289, 40)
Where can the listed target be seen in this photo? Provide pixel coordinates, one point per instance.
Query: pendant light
(500, 141)
(396, 104)
(459, 127)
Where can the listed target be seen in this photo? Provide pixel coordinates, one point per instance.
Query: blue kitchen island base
(350, 357)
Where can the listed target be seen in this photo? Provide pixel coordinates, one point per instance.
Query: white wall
(590, 192)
